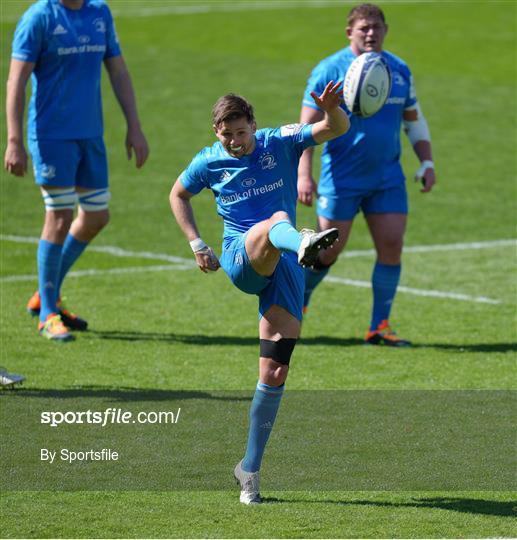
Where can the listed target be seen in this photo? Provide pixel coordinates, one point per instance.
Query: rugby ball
(367, 84)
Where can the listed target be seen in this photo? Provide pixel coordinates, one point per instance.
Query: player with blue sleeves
(253, 176)
(61, 45)
(361, 170)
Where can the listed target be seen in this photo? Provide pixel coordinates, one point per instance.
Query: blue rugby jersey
(250, 189)
(68, 47)
(367, 156)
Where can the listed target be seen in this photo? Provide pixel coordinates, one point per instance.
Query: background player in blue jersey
(253, 175)
(361, 170)
(62, 44)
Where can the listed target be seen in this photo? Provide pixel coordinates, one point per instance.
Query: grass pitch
(165, 333)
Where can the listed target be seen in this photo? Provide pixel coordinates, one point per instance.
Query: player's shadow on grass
(199, 339)
(455, 504)
(124, 394)
(471, 347)
(189, 339)
(329, 341)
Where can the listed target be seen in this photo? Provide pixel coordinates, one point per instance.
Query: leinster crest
(267, 161)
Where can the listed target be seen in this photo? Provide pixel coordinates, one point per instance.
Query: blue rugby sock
(312, 279)
(262, 417)
(49, 264)
(284, 236)
(72, 250)
(385, 280)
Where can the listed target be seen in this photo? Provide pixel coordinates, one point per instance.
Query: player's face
(367, 35)
(237, 136)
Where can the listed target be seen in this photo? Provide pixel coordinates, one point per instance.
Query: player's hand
(427, 176)
(15, 160)
(207, 260)
(136, 141)
(306, 189)
(331, 97)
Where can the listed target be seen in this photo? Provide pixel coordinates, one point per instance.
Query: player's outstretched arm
(184, 214)
(15, 160)
(335, 122)
(123, 90)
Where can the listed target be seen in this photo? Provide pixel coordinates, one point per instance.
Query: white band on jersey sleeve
(417, 130)
(291, 129)
(94, 200)
(59, 199)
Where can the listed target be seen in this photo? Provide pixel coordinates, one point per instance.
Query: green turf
(180, 331)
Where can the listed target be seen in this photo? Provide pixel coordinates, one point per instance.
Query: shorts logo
(323, 202)
(100, 25)
(48, 171)
(248, 182)
(83, 39)
(267, 161)
(239, 261)
(371, 90)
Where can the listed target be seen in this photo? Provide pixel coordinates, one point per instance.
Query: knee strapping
(280, 351)
(94, 200)
(59, 199)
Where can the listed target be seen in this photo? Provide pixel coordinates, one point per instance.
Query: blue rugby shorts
(64, 163)
(346, 205)
(285, 287)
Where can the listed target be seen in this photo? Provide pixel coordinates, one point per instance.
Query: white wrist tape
(197, 245)
(417, 130)
(426, 164)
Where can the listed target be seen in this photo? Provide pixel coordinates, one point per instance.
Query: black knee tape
(319, 266)
(280, 351)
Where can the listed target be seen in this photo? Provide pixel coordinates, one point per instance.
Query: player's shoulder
(96, 4)
(267, 136)
(211, 153)
(40, 10)
(99, 6)
(336, 61)
(396, 63)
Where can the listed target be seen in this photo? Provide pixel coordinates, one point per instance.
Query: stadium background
(157, 329)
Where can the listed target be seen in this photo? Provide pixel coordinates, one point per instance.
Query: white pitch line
(96, 272)
(232, 7)
(185, 264)
(119, 252)
(460, 246)
(110, 250)
(126, 10)
(418, 292)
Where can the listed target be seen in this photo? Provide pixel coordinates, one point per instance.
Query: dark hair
(365, 11)
(232, 107)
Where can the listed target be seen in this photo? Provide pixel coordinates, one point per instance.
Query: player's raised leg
(278, 331)
(267, 239)
(387, 231)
